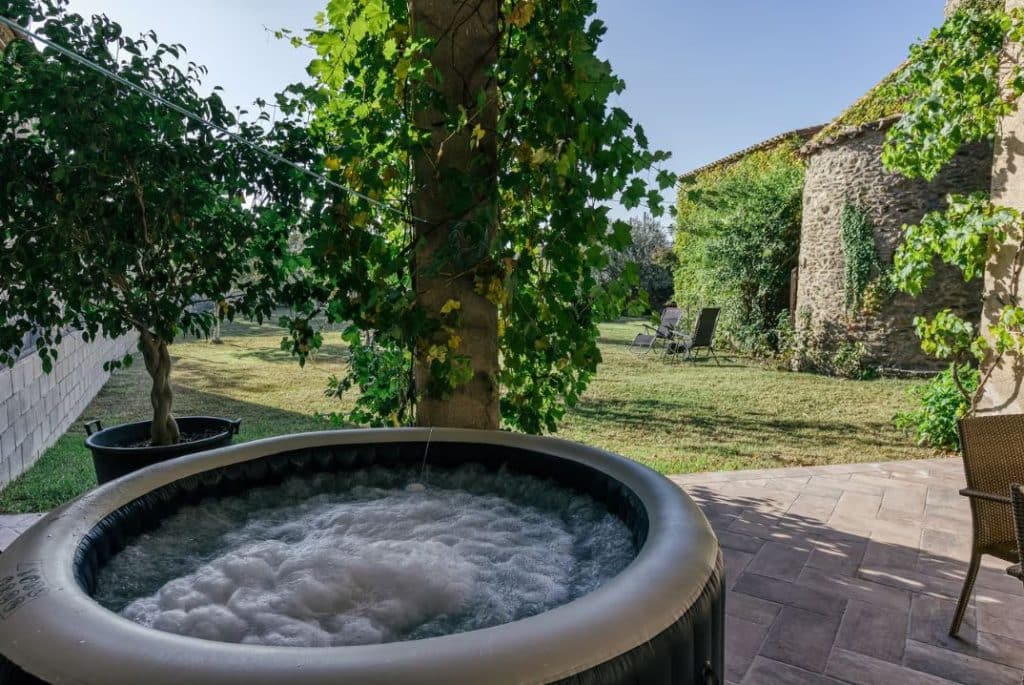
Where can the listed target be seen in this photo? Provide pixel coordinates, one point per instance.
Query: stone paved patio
(11, 526)
(850, 574)
(846, 574)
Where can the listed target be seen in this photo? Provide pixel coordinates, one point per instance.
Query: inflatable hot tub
(660, 621)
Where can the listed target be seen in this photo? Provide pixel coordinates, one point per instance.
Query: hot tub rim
(650, 595)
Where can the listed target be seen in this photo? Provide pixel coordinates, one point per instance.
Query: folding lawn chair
(703, 336)
(664, 334)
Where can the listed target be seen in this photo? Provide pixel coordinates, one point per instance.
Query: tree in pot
(486, 123)
(117, 212)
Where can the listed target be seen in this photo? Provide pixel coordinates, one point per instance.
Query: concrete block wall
(36, 408)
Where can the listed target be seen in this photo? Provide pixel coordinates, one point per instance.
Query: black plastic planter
(112, 459)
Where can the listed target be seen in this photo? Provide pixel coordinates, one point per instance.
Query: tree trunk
(456, 187)
(1002, 394)
(164, 429)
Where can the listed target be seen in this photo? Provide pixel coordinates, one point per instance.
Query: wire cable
(86, 62)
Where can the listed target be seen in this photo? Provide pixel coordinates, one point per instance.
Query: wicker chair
(993, 453)
(1017, 498)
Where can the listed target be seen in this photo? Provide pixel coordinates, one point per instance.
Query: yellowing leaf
(540, 156)
(402, 68)
(478, 133)
(454, 342)
(436, 353)
(332, 163)
(522, 13)
(450, 306)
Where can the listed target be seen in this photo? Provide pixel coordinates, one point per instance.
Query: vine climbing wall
(846, 170)
(1003, 393)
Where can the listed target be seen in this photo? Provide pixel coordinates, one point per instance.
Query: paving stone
(929, 624)
(780, 560)
(767, 529)
(854, 588)
(998, 623)
(813, 506)
(879, 552)
(859, 669)
(735, 562)
(743, 640)
(738, 541)
(949, 544)
(788, 594)
(770, 672)
(875, 631)
(801, 638)
(838, 558)
(857, 505)
(889, 555)
(793, 483)
(901, 532)
(847, 485)
(753, 609)
(944, 497)
(956, 570)
(959, 668)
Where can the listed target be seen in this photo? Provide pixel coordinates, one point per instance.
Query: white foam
(361, 558)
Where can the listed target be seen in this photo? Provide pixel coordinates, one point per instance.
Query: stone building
(845, 168)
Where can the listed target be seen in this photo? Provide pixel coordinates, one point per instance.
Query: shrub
(737, 241)
(830, 350)
(942, 403)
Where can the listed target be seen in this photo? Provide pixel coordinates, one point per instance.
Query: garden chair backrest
(704, 330)
(993, 453)
(669, 320)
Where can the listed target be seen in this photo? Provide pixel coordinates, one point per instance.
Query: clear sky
(704, 77)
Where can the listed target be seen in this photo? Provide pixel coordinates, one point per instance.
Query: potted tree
(118, 213)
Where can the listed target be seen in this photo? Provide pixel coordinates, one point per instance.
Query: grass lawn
(675, 417)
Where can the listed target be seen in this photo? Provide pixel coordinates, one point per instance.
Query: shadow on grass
(748, 426)
(789, 571)
(333, 353)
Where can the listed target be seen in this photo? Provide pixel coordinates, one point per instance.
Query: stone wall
(1004, 392)
(848, 169)
(37, 408)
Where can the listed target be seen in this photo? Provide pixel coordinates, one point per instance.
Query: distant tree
(118, 213)
(651, 253)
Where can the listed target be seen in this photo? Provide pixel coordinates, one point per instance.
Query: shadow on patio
(850, 574)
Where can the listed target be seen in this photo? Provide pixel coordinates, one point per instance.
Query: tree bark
(452, 167)
(1001, 393)
(164, 429)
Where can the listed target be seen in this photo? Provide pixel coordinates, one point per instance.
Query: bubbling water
(367, 557)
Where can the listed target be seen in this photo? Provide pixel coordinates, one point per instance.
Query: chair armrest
(980, 494)
(649, 327)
